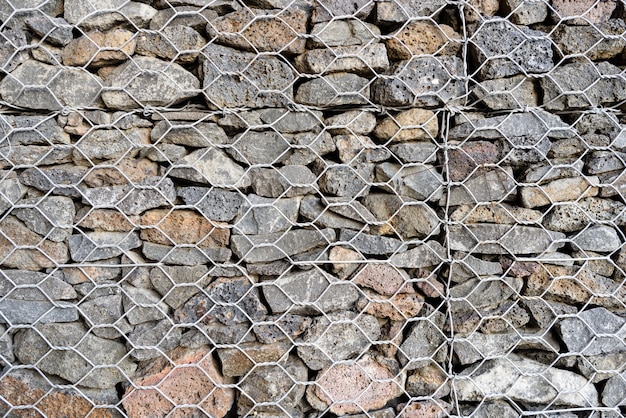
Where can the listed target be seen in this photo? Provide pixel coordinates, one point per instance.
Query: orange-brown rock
(423, 38)
(97, 49)
(191, 376)
(107, 220)
(401, 306)
(382, 278)
(47, 254)
(128, 170)
(183, 227)
(23, 388)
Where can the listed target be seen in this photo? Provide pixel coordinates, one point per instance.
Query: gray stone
(262, 215)
(210, 166)
(11, 191)
(342, 33)
(601, 367)
(526, 50)
(593, 332)
(195, 135)
(516, 92)
(425, 343)
(327, 10)
(398, 11)
(12, 42)
(108, 144)
(482, 186)
(352, 122)
(143, 305)
(614, 391)
(104, 316)
(466, 266)
(164, 153)
(62, 180)
(169, 43)
(291, 122)
(154, 83)
(349, 208)
(32, 285)
(414, 152)
(309, 292)
(604, 161)
(52, 217)
(431, 253)
(281, 327)
(355, 59)
(401, 216)
(150, 339)
(347, 181)
(33, 130)
(35, 85)
(234, 78)
(312, 209)
(598, 238)
(524, 380)
(495, 408)
(179, 283)
(195, 17)
(281, 397)
(107, 14)
(337, 336)
(478, 346)
(253, 147)
(108, 362)
(596, 42)
(309, 147)
(214, 203)
(216, 333)
(427, 81)
(55, 30)
(484, 293)
(370, 244)
(583, 85)
(524, 12)
(185, 256)
(151, 193)
(503, 239)
(40, 155)
(98, 245)
(337, 89)
(223, 293)
(359, 149)
(574, 216)
(17, 311)
(421, 182)
(287, 181)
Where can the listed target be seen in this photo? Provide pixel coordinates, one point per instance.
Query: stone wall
(304, 208)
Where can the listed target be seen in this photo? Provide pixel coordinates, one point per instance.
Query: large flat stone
(503, 239)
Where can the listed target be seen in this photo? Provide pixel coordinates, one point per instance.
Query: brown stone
(497, 213)
(356, 386)
(424, 409)
(24, 388)
(97, 49)
(479, 9)
(382, 278)
(410, 125)
(183, 227)
(239, 361)
(431, 287)
(263, 30)
(429, 380)
(14, 233)
(591, 11)
(562, 190)
(423, 38)
(198, 382)
(128, 170)
(464, 160)
(107, 220)
(399, 307)
(344, 261)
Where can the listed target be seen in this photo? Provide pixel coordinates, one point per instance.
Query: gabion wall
(277, 208)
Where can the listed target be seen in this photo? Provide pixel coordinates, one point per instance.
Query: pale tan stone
(413, 124)
(98, 49)
(183, 227)
(423, 38)
(562, 190)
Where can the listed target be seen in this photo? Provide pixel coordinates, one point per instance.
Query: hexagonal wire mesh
(290, 208)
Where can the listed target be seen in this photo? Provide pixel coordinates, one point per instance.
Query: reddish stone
(183, 227)
(193, 379)
(424, 409)
(591, 11)
(109, 220)
(464, 160)
(128, 170)
(382, 278)
(399, 307)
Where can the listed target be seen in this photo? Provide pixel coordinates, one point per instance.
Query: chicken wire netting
(277, 208)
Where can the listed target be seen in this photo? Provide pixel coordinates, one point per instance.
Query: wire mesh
(297, 208)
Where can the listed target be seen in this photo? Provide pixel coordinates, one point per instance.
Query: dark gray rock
(271, 247)
(574, 216)
(55, 30)
(515, 92)
(604, 161)
(99, 245)
(354, 59)
(33, 130)
(179, 283)
(108, 362)
(428, 254)
(583, 85)
(485, 293)
(210, 166)
(614, 390)
(193, 16)
(17, 311)
(291, 122)
(398, 11)
(234, 78)
(41, 155)
(110, 144)
(61, 180)
(593, 332)
(503, 239)
(337, 336)
(414, 152)
(422, 182)
(525, 50)
(313, 209)
(338, 89)
(51, 217)
(184, 256)
(11, 191)
(370, 244)
(143, 305)
(484, 185)
(281, 327)
(596, 42)
(216, 333)
(108, 13)
(162, 153)
(169, 43)
(287, 181)
(598, 238)
(253, 147)
(150, 339)
(326, 10)
(155, 83)
(32, 285)
(214, 203)
(522, 12)
(195, 135)
(421, 82)
(465, 266)
(12, 53)
(104, 316)
(345, 180)
(424, 343)
(262, 215)
(309, 292)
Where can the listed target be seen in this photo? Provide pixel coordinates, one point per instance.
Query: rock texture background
(302, 208)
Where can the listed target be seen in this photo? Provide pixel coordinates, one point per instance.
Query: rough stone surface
(97, 49)
(338, 89)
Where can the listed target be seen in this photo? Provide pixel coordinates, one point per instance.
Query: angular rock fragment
(334, 90)
(503, 239)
